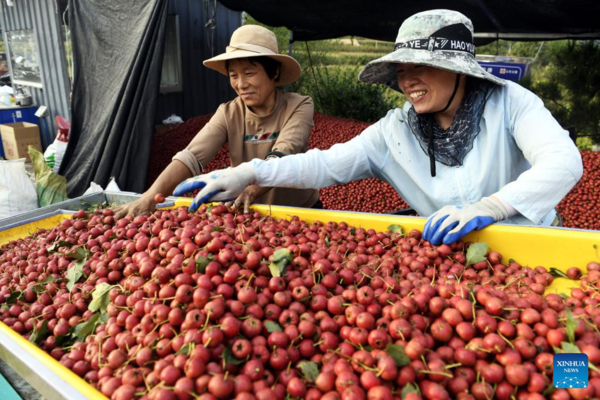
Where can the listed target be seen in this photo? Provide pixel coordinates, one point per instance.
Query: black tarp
(380, 19)
(117, 54)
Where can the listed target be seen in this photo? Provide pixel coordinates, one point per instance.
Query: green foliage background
(564, 74)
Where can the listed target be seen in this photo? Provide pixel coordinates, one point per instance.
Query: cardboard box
(17, 137)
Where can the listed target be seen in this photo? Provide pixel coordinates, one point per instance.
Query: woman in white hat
(262, 122)
(467, 150)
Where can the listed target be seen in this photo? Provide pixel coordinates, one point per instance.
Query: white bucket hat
(255, 41)
(437, 38)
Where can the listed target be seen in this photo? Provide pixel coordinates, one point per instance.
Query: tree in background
(569, 83)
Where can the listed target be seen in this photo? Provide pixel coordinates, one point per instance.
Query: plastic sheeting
(318, 19)
(117, 53)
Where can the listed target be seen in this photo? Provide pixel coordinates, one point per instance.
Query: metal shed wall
(203, 89)
(42, 16)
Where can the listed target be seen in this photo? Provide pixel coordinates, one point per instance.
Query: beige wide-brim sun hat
(255, 41)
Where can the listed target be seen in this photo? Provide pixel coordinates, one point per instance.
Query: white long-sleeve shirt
(522, 156)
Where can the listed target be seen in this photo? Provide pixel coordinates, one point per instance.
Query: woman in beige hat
(467, 150)
(262, 122)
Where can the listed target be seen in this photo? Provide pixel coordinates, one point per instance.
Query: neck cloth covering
(453, 144)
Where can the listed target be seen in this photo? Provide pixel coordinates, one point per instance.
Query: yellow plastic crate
(8, 234)
(559, 248)
(16, 351)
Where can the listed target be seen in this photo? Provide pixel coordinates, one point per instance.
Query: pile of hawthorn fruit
(223, 305)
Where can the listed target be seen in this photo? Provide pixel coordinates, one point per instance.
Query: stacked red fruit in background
(579, 209)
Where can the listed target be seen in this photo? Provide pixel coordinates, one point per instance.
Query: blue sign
(570, 370)
(508, 71)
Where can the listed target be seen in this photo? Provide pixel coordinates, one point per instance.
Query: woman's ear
(277, 74)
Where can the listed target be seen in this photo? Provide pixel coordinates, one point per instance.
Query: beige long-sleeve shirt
(285, 131)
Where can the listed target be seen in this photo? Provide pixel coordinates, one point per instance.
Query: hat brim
(290, 68)
(383, 71)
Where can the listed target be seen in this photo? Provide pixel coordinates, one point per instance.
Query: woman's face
(428, 89)
(251, 82)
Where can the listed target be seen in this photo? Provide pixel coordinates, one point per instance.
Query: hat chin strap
(430, 148)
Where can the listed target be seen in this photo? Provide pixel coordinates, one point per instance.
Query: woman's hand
(247, 197)
(162, 186)
(142, 206)
(223, 185)
(452, 223)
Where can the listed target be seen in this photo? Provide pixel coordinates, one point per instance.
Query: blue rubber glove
(222, 185)
(452, 223)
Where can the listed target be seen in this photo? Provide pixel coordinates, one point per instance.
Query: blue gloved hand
(222, 185)
(451, 223)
